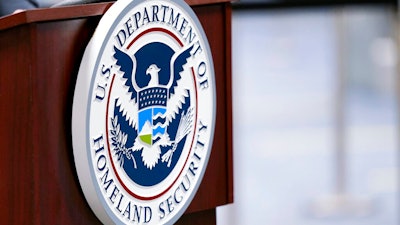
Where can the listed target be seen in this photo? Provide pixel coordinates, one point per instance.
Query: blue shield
(152, 108)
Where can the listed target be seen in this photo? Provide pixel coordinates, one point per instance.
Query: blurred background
(315, 109)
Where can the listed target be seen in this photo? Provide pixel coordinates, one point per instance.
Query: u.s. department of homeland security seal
(144, 112)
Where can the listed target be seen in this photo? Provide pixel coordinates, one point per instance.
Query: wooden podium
(40, 54)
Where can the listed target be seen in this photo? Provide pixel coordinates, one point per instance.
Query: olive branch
(119, 139)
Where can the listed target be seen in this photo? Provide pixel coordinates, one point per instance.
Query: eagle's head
(152, 70)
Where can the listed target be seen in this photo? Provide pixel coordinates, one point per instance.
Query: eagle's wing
(126, 64)
(177, 93)
(177, 63)
(127, 101)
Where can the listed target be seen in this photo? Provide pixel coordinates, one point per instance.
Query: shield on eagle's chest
(152, 108)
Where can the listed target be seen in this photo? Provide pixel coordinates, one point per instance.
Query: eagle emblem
(144, 112)
(151, 120)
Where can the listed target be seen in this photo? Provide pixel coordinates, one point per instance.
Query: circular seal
(144, 112)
